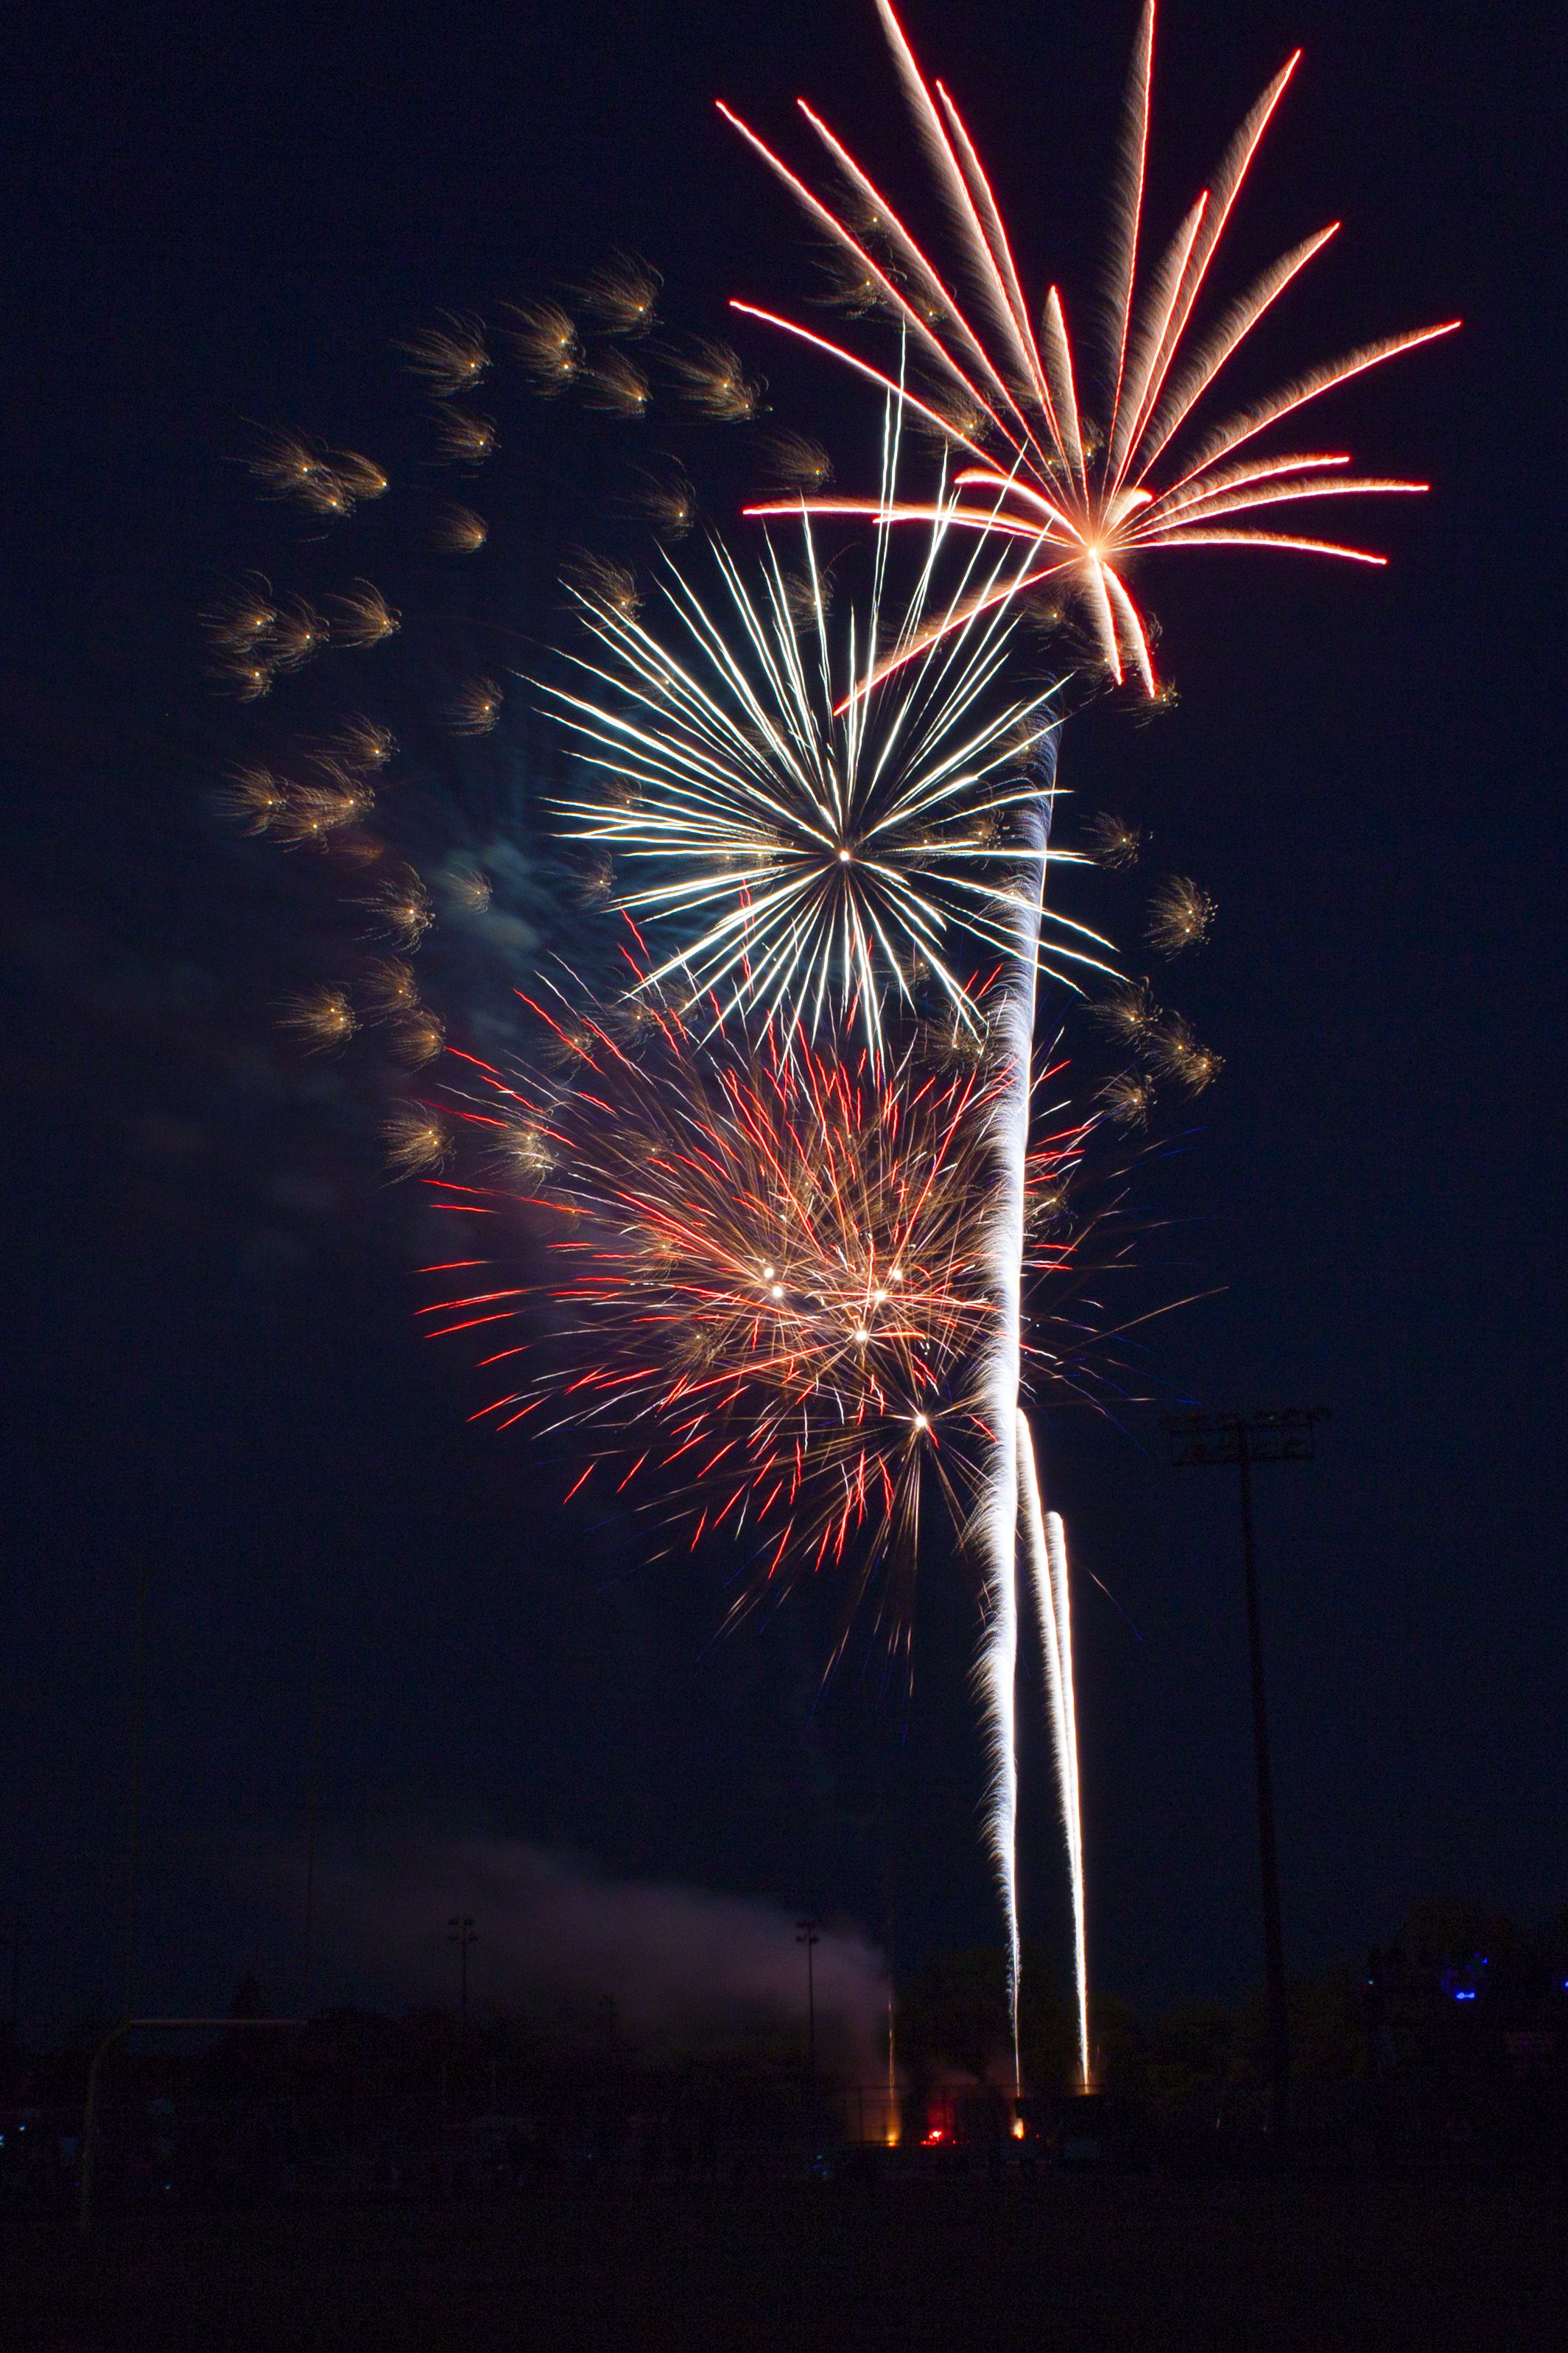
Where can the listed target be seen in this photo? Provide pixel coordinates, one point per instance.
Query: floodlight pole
(806, 1934)
(133, 1810)
(1267, 1836)
(461, 1932)
(312, 1820)
(1216, 1441)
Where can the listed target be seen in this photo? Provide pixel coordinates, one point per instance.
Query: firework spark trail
(1047, 1544)
(995, 1675)
(997, 1519)
(1056, 1549)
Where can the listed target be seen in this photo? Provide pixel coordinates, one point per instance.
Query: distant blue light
(1460, 1995)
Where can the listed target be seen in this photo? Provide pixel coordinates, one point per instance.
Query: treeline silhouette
(1446, 2048)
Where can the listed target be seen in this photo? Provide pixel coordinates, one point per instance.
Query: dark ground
(1097, 2264)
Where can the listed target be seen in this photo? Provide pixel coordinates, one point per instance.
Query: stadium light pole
(1205, 1441)
(461, 1932)
(806, 1934)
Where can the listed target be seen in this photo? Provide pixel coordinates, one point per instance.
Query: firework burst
(823, 849)
(774, 1295)
(1070, 474)
(1072, 470)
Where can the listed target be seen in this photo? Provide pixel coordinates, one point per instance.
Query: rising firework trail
(997, 1519)
(1074, 491)
(1045, 1541)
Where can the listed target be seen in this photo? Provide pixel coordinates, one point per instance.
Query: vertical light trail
(1046, 1540)
(1057, 1551)
(997, 1519)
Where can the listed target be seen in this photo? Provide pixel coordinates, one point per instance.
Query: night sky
(210, 1363)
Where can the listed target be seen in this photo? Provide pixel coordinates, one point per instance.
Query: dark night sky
(209, 1361)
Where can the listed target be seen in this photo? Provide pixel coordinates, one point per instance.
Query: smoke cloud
(555, 1935)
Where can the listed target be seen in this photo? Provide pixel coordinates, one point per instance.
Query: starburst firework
(1078, 495)
(822, 847)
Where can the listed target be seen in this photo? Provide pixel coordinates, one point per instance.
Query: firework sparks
(464, 439)
(824, 845)
(1007, 1230)
(475, 708)
(458, 531)
(1177, 1055)
(1181, 916)
(712, 382)
(388, 990)
(448, 358)
(418, 1037)
(360, 476)
(1046, 1544)
(616, 384)
(775, 1286)
(621, 297)
(363, 618)
(298, 632)
(323, 1019)
(1076, 496)
(329, 483)
(602, 584)
(795, 462)
(546, 341)
(417, 1140)
(1129, 1099)
(253, 798)
(360, 745)
(774, 1272)
(401, 908)
(1111, 841)
(314, 813)
(666, 502)
(238, 627)
(468, 886)
(1129, 1015)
